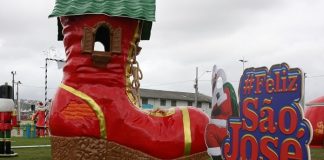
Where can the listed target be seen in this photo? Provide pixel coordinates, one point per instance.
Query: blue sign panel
(271, 123)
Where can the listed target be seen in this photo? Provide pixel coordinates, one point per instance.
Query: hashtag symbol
(248, 84)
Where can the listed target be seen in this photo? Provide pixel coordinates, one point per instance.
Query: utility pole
(196, 88)
(196, 85)
(243, 61)
(13, 85)
(18, 105)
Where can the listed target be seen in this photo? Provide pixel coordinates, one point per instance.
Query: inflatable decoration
(8, 119)
(271, 124)
(314, 113)
(225, 105)
(96, 113)
(40, 118)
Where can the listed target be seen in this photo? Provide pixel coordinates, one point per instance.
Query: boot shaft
(84, 64)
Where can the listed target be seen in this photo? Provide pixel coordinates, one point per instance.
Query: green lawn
(45, 153)
(317, 154)
(31, 153)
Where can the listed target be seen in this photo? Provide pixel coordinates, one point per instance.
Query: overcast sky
(186, 35)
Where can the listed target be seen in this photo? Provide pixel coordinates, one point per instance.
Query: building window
(162, 102)
(199, 105)
(190, 103)
(144, 101)
(173, 103)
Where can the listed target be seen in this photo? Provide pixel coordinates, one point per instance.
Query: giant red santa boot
(224, 104)
(95, 113)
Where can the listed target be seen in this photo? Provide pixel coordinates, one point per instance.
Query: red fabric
(5, 121)
(162, 137)
(215, 135)
(225, 107)
(40, 116)
(14, 120)
(40, 131)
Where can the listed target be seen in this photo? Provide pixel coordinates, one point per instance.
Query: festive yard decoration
(314, 113)
(8, 119)
(40, 118)
(271, 123)
(225, 105)
(96, 113)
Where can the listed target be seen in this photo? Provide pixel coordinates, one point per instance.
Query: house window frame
(173, 103)
(145, 100)
(199, 104)
(162, 102)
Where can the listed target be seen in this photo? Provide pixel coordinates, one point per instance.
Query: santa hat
(40, 106)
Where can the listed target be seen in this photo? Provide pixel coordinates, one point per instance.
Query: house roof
(136, 9)
(173, 95)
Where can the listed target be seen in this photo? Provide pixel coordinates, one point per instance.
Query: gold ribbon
(186, 130)
(95, 107)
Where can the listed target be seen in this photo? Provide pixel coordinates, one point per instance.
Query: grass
(45, 153)
(317, 154)
(31, 153)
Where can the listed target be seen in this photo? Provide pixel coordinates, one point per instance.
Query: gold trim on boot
(96, 108)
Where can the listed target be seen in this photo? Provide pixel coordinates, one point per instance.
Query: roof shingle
(136, 9)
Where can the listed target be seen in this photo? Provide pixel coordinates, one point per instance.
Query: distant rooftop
(173, 95)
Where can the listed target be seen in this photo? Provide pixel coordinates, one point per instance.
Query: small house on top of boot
(103, 41)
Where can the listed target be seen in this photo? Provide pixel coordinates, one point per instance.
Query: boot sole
(87, 148)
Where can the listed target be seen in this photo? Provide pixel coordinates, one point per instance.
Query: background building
(166, 99)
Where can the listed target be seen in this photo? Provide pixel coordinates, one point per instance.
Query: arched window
(101, 42)
(103, 35)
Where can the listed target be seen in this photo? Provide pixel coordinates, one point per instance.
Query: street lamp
(13, 84)
(196, 85)
(243, 61)
(18, 105)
